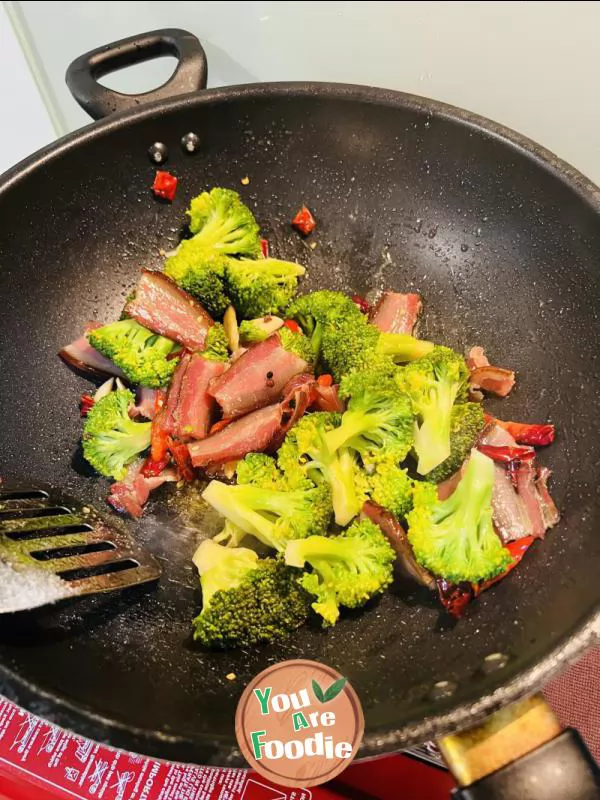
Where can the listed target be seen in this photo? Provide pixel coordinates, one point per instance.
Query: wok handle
(519, 753)
(189, 76)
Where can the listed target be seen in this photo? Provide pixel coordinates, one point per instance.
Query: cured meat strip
(160, 305)
(130, 495)
(397, 313)
(85, 359)
(257, 378)
(260, 431)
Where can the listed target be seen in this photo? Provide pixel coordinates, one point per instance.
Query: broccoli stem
(432, 437)
(339, 473)
(231, 506)
(402, 346)
(472, 496)
(354, 424)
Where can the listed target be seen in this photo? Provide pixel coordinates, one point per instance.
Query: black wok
(500, 237)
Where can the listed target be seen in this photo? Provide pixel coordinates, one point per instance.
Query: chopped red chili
(506, 455)
(325, 380)
(218, 426)
(264, 248)
(292, 325)
(165, 185)
(151, 468)
(85, 404)
(363, 304)
(181, 456)
(304, 221)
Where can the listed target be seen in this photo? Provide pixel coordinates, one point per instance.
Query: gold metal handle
(502, 738)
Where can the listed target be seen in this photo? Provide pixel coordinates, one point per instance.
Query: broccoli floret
(304, 455)
(111, 440)
(340, 334)
(402, 347)
(200, 271)
(216, 345)
(466, 423)
(230, 536)
(378, 422)
(390, 487)
(140, 353)
(296, 343)
(261, 286)
(347, 570)
(261, 470)
(272, 517)
(220, 221)
(433, 383)
(245, 600)
(257, 330)
(455, 538)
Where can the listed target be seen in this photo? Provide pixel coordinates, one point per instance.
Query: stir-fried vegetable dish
(341, 452)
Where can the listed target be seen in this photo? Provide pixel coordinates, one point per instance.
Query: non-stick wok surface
(503, 244)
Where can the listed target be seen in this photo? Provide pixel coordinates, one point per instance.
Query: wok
(503, 241)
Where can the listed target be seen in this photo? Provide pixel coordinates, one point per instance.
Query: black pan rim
(222, 752)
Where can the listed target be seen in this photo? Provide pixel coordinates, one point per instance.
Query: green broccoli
(347, 570)
(230, 536)
(378, 422)
(272, 517)
(221, 222)
(216, 345)
(466, 423)
(402, 347)
(433, 383)
(257, 330)
(455, 538)
(390, 487)
(304, 456)
(261, 286)
(296, 343)
(340, 335)
(111, 439)
(141, 354)
(261, 470)
(245, 600)
(200, 271)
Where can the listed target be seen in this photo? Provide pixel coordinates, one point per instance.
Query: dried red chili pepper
(325, 380)
(362, 304)
(506, 455)
(181, 456)
(222, 423)
(526, 433)
(165, 185)
(304, 221)
(151, 468)
(292, 325)
(86, 403)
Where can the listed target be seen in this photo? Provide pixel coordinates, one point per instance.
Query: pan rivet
(494, 661)
(442, 689)
(158, 153)
(190, 142)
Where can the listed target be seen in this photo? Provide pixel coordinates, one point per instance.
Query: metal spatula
(53, 547)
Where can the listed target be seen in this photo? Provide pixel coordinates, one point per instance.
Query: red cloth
(575, 698)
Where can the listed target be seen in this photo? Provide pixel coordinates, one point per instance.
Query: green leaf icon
(333, 691)
(318, 692)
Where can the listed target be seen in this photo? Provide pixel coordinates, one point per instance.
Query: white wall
(25, 124)
(535, 66)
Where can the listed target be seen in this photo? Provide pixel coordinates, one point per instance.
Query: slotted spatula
(53, 547)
